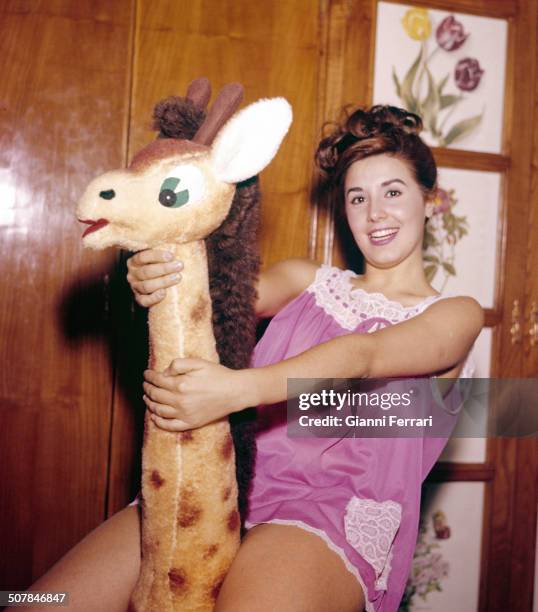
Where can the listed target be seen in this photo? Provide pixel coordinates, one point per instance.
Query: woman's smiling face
(385, 209)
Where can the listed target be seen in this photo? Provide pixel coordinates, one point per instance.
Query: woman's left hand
(193, 392)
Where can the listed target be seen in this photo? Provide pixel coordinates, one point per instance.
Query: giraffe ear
(250, 139)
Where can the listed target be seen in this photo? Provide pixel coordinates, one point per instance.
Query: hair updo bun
(380, 119)
(381, 129)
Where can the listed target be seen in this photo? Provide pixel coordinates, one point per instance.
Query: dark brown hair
(381, 129)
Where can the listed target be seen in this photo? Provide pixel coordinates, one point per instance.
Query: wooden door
(63, 103)
(79, 80)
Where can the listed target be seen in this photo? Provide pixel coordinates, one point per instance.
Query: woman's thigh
(100, 572)
(289, 569)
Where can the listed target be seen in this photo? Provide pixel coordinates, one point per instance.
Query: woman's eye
(393, 191)
(357, 200)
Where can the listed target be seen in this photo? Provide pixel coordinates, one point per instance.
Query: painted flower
(468, 74)
(442, 201)
(450, 34)
(417, 24)
(442, 530)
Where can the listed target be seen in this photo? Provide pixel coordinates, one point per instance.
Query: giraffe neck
(181, 325)
(190, 521)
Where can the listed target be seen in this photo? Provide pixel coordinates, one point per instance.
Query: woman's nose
(376, 211)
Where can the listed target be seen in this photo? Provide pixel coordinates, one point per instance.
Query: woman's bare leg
(100, 572)
(286, 568)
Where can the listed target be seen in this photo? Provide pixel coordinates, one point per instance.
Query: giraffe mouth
(94, 225)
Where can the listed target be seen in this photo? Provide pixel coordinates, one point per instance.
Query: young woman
(305, 548)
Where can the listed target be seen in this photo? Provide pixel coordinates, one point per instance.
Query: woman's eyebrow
(394, 180)
(384, 184)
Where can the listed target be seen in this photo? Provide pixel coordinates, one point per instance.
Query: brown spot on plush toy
(178, 581)
(180, 195)
(227, 448)
(200, 310)
(215, 590)
(211, 550)
(233, 520)
(189, 514)
(186, 436)
(156, 479)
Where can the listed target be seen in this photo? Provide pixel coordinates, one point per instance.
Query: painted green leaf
(430, 258)
(449, 100)
(431, 104)
(429, 240)
(462, 129)
(396, 83)
(442, 84)
(408, 81)
(449, 268)
(430, 271)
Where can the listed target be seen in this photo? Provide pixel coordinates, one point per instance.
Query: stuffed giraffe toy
(172, 196)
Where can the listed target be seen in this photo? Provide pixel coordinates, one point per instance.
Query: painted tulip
(417, 24)
(468, 74)
(450, 34)
(442, 201)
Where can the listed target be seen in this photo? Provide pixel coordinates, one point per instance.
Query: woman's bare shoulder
(283, 281)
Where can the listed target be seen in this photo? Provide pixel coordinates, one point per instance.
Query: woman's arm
(152, 271)
(436, 341)
(281, 283)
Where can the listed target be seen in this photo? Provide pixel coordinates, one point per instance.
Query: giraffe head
(179, 191)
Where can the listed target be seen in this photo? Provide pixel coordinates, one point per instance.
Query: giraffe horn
(225, 105)
(199, 92)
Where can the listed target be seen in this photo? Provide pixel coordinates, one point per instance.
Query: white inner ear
(250, 140)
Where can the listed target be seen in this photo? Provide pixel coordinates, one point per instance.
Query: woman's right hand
(150, 272)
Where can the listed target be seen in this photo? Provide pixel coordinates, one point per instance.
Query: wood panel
(501, 577)
(62, 101)
(347, 61)
(486, 8)
(272, 48)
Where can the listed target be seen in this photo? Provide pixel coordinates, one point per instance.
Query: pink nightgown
(361, 495)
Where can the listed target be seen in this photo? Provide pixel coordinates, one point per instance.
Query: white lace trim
(370, 528)
(337, 297)
(369, 607)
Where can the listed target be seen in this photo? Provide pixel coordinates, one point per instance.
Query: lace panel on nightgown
(334, 293)
(371, 527)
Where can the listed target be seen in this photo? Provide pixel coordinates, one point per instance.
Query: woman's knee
(101, 570)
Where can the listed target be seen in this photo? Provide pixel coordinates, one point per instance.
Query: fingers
(147, 287)
(158, 395)
(150, 273)
(170, 424)
(160, 410)
(161, 380)
(184, 365)
(149, 256)
(164, 416)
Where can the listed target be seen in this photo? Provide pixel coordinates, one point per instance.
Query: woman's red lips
(94, 225)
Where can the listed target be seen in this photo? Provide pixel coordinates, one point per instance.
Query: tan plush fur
(190, 520)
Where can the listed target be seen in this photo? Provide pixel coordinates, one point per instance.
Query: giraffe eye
(168, 196)
(184, 184)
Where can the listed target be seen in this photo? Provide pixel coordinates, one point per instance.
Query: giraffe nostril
(108, 194)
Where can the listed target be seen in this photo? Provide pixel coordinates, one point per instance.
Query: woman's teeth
(383, 236)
